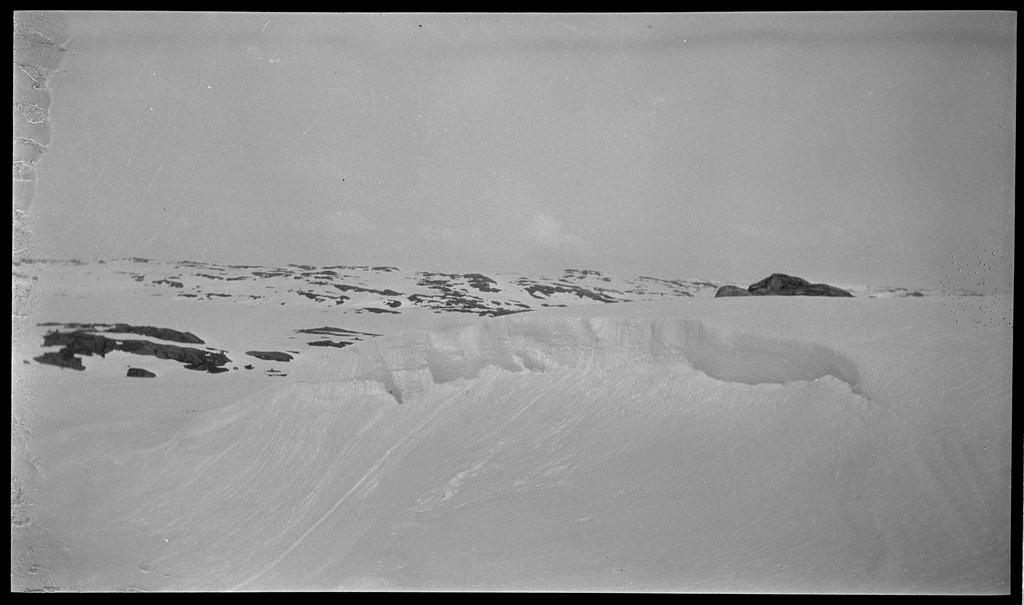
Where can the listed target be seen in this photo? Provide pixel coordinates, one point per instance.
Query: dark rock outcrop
(348, 288)
(779, 284)
(482, 282)
(120, 328)
(786, 285)
(161, 333)
(330, 343)
(270, 355)
(140, 373)
(81, 342)
(332, 331)
(169, 282)
(731, 291)
(194, 359)
(548, 290)
(376, 310)
(62, 359)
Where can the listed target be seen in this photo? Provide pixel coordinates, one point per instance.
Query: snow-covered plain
(667, 442)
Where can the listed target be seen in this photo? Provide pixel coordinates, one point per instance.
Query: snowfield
(674, 443)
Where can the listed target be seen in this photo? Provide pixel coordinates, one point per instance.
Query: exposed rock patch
(348, 288)
(547, 290)
(140, 373)
(334, 331)
(161, 333)
(482, 282)
(169, 282)
(340, 344)
(83, 342)
(351, 336)
(270, 355)
(62, 359)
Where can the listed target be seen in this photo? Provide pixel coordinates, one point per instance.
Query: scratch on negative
(311, 125)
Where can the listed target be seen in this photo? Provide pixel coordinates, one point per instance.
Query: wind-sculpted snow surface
(737, 444)
(409, 363)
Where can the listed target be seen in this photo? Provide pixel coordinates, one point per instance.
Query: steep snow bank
(721, 445)
(411, 362)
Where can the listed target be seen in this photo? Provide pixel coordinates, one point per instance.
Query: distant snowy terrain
(506, 432)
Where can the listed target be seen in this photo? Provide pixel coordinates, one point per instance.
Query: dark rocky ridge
(787, 285)
(780, 284)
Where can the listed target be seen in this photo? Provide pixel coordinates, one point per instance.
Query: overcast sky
(847, 147)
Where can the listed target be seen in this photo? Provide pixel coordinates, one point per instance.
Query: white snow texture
(771, 444)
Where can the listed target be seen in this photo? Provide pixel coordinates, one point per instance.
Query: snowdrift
(777, 445)
(412, 362)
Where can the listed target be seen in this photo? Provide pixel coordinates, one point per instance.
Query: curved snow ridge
(409, 363)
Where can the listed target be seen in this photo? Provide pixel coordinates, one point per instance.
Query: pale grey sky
(847, 147)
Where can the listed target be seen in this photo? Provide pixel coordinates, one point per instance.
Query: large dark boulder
(140, 373)
(779, 284)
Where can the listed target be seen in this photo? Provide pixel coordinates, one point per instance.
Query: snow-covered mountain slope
(289, 311)
(693, 444)
(362, 289)
(293, 310)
